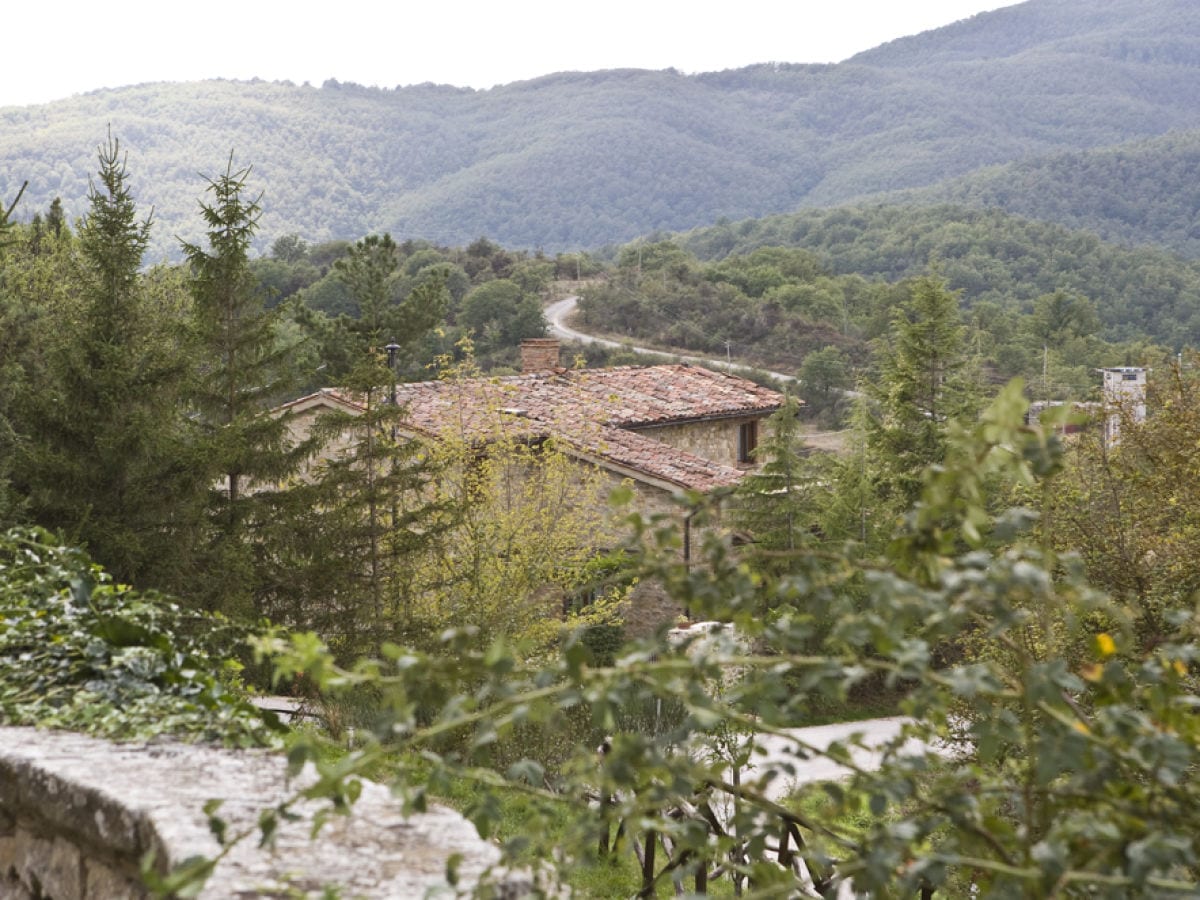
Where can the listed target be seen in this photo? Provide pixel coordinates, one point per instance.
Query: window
(747, 442)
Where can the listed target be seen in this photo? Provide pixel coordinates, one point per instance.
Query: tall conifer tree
(923, 382)
(779, 504)
(9, 372)
(242, 370)
(106, 461)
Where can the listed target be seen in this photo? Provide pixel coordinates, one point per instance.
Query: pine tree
(105, 459)
(922, 383)
(371, 272)
(242, 369)
(366, 511)
(9, 374)
(779, 504)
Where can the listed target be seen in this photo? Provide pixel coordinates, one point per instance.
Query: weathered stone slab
(82, 812)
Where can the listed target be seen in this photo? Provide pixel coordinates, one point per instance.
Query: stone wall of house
(648, 606)
(78, 815)
(716, 439)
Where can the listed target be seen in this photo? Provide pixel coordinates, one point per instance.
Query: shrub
(82, 653)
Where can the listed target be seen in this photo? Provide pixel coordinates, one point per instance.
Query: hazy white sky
(56, 48)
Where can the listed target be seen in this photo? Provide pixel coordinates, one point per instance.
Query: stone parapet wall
(77, 816)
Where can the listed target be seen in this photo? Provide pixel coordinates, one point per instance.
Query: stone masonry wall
(77, 815)
(716, 440)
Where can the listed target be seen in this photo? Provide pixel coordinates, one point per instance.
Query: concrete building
(1124, 399)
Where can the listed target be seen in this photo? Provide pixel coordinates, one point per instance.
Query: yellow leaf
(1105, 645)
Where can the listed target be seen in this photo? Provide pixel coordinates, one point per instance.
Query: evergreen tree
(778, 505)
(922, 383)
(56, 219)
(345, 549)
(366, 510)
(104, 459)
(371, 272)
(9, 371)
(242, 370)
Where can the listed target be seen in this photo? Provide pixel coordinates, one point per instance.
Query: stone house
(660, 429)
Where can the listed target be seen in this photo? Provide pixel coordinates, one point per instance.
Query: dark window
(747, 441)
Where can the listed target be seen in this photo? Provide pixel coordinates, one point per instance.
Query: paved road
(557, 314)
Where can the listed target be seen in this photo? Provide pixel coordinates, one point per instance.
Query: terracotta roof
(594, 412)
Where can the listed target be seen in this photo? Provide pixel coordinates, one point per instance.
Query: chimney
(539, 355)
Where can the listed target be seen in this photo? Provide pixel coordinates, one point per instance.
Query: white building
(1124, 398)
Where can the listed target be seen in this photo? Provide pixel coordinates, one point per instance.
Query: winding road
(558, 312)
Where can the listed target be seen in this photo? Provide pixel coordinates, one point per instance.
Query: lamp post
(392, 349)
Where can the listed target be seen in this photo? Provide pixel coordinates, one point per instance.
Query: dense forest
(580, 160)
(992, 257)
(1144, 192)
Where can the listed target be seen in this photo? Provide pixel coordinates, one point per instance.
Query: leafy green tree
(645, 258)
(290, 248)
(825, 376)
(500, 315)
(104, 458)
(1130, 510)
(1059, 316)
(514, 525)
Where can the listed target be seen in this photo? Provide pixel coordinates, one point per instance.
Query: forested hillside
(584, 159)
(1145, 192)
(987, 255)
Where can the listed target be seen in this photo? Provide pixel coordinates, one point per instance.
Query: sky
(57, 48)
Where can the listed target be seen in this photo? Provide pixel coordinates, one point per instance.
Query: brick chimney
(539, 354)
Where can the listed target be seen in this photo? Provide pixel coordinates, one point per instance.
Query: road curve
(558, 312)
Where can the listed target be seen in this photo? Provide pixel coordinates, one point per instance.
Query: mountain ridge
(582, 159)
